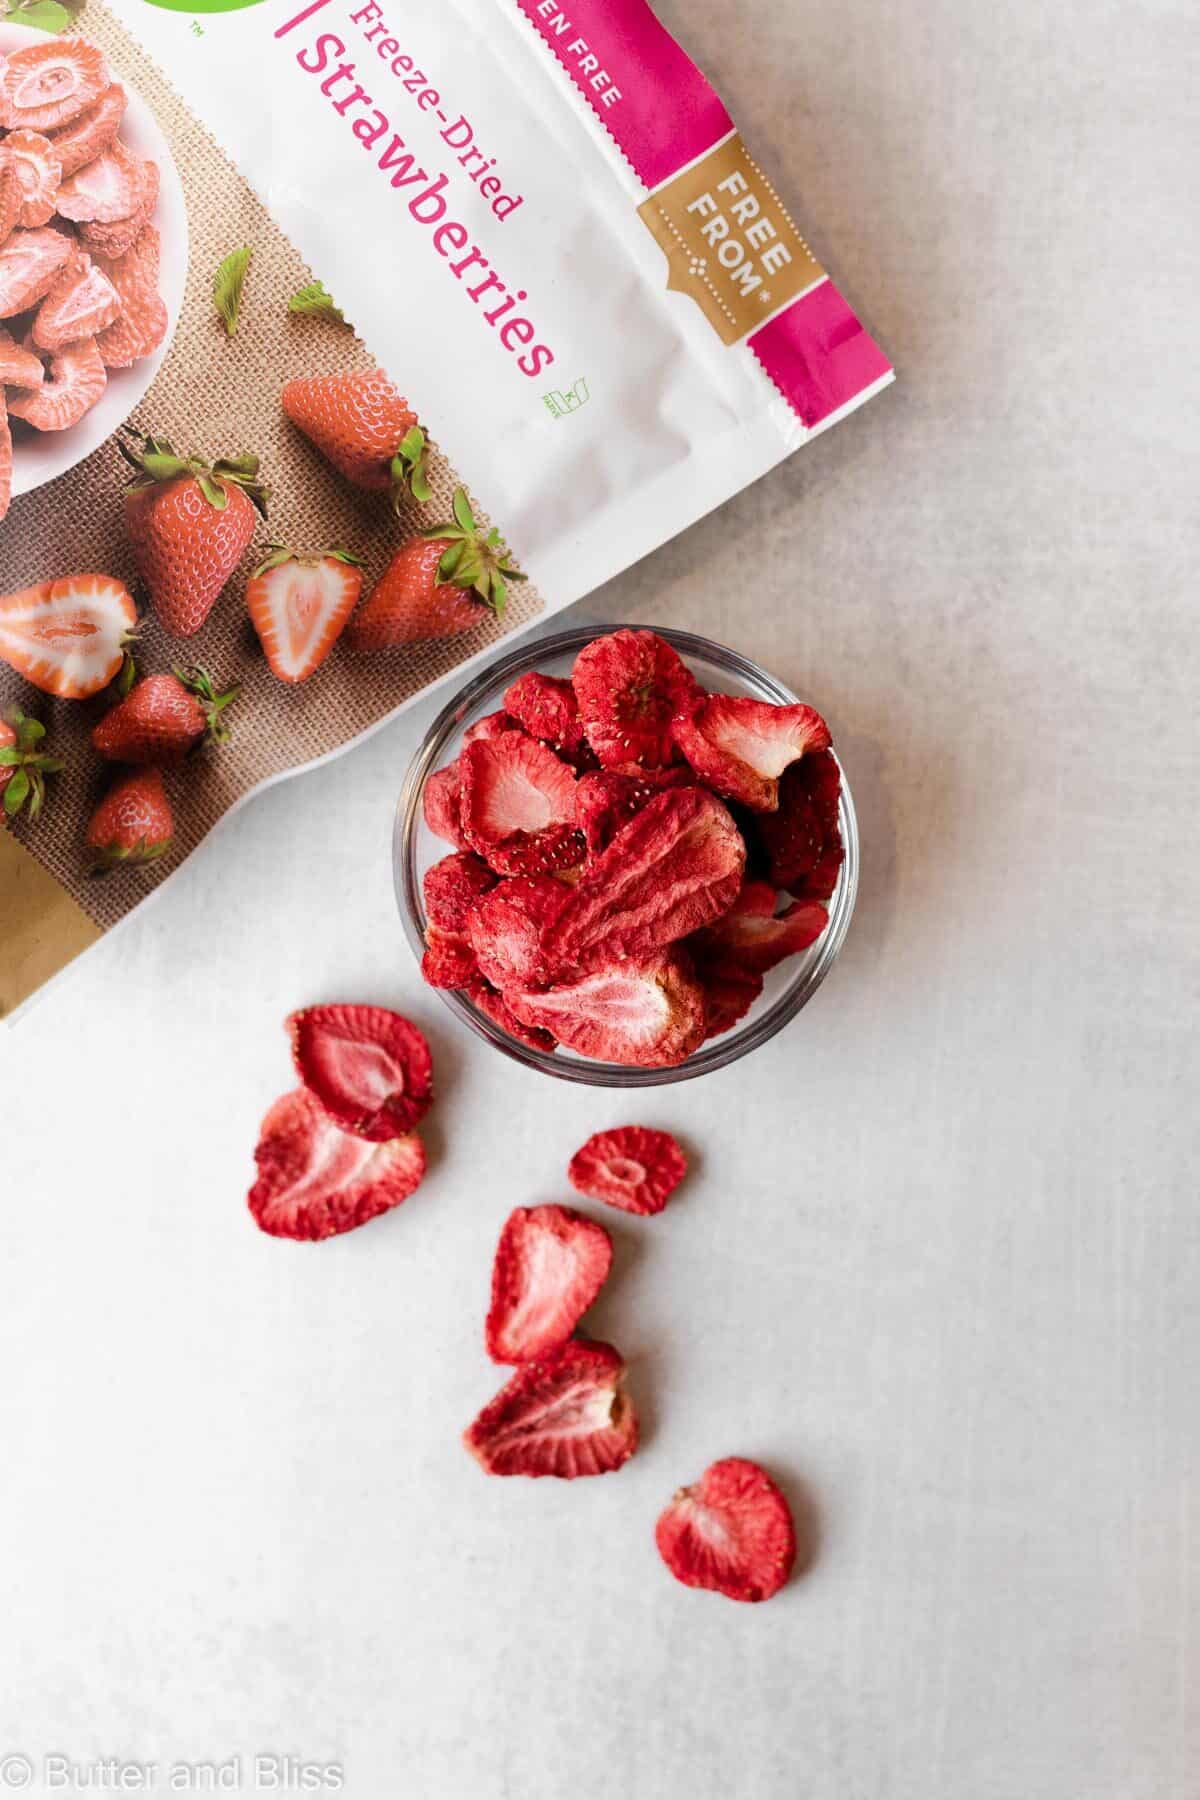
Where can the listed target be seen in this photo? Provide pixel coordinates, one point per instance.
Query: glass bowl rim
(719, 1052)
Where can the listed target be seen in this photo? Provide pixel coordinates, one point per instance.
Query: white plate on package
(40, 456)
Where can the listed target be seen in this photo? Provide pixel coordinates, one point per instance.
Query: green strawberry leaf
(462, 510)
(228, 283)
(41, 15)
(315, 302)
(10, 756)
(16, 793)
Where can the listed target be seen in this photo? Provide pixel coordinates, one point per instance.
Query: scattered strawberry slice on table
(189, 523)
(75, 380)
(563, 1414)
(316, 1180)
(44, 86)
(644, 1012)
(163, 718)
(550, 1264)
(517, 805)
(132, 824)
(635, 1168)
(370, 1069)
(24, 766)
(67, 637)
(630, 685)
(440, 584)
(731, 1532)
(363, 425)
(741, 747)
(677, 865)
(299, 606)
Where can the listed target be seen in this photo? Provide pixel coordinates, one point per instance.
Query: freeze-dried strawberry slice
(548, 709)
(760, 941)
(115, 237)
(486, 998)
(563, 1414)
(36, 165)
(91, 131)
(646, 1012)
(29, 262)
(629, 686)
(730, 990)
(634, 1167)
(47, 85)
(19, 367)
(12, 199)
(76, 381)
(518, 804)
(449, 960)
(506, 929)
(492, 725)
(606, 799)
(674, 867)
(110, 187)
(316, 1180)
(741, 747)
(142, 323)
(550, 1264)
(732, 1532)
(370, 1069)
(80, 304)
(452, 887)
(441, 804)
(803, 839)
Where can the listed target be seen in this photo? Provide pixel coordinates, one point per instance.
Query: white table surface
(938, 1261)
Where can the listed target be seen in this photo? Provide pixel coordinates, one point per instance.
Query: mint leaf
(314, 301)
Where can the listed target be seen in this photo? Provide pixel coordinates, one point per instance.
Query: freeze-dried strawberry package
(340, 339)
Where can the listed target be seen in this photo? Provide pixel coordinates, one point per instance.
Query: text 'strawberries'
(550, 1264)
(635, 1168)
(731, 1532)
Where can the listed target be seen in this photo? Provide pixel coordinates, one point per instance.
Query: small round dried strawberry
(635, 1168)
(732, 1532)
(630, 685)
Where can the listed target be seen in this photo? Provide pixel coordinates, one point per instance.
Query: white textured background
(939, 1262)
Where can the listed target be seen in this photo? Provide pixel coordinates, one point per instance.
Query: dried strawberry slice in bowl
(558, 972)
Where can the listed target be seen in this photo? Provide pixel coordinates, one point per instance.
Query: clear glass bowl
(414, 847)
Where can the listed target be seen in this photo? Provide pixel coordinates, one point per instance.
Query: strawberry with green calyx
(361, 423)
(132, 824)
(189, 523)
(163, 718)
(299, 605)
(24, 766)
(437, 585)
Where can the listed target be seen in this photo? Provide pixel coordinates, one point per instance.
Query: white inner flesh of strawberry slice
(72, 637)
(767, 753)
(629, 1004)
(626, 1171)
(366, 1072)
(578, 1412)
(336, 1160)
(514, 803)
(107, 183)
(92, 290)
(46, 85)
(549, 1270)
(308, 600)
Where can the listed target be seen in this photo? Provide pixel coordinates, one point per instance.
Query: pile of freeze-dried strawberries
(623, 841)
(78, 254)
(342, 1148)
